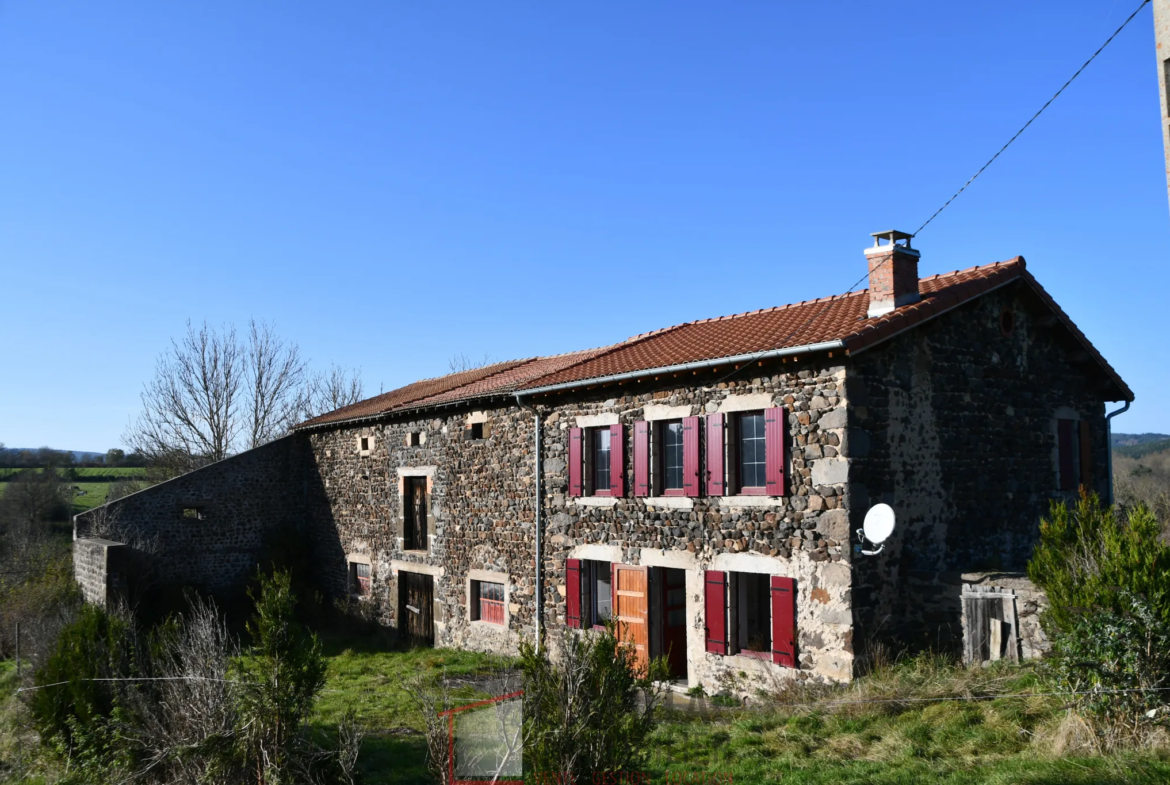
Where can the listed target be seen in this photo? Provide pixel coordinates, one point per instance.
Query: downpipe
(539, 469)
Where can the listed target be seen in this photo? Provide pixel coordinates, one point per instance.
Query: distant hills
(80, 456)
(1139, 445)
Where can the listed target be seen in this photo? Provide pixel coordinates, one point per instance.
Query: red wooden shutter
(784, 621)
(715, 479)
(573, 593)
(774, 449)
(617, 460)
(641, 458)
(1086, 456)
(691, 484)
(1064, 437)
(716, 611)
(575, 462)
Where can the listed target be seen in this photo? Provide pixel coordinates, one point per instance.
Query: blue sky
(396, 183)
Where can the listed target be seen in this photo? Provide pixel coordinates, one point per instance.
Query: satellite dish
(879, 523)
(878, 526)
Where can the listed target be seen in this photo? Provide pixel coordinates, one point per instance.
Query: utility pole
(1162, 47)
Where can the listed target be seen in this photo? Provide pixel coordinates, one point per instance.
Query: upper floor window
(672, 456)
(414, 513)
(751, 451)
(1074, 456)
(600, 448)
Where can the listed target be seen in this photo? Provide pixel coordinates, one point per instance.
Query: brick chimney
(893, 273)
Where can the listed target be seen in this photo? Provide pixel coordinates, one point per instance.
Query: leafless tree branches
(275, 374)
(461, 362)
(214, 394)
(327, 391)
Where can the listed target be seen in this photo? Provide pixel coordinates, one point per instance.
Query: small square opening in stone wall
(191, 513)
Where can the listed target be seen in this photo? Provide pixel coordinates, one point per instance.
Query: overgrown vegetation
(1107, 576)
(590, 710)
(182, 704)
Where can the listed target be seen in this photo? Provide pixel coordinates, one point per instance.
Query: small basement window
(359, 579)
(192, 513)
(487, 602)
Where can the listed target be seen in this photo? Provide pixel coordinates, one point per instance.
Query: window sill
(486, 625)
(670, 502)
(763, 656)
(751, 501)
(596, 501)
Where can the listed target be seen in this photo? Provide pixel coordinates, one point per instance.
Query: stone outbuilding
(701, 484)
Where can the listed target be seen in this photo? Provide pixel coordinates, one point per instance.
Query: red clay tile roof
(839, 319)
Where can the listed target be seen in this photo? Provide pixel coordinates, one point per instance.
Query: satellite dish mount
(878, 526)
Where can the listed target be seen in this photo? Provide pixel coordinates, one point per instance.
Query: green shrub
(280, 678)
(77, 715)
(592, 710)
(1121, 659)
(1107, 578)
(1087, 553)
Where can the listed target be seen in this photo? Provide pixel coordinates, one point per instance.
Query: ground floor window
(359, 579)
(751, 614)
(597, 593)
(487, 602)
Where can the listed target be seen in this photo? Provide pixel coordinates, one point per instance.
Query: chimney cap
(893, 235)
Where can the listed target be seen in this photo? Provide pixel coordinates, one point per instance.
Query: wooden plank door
(631, 609)
(416, 604)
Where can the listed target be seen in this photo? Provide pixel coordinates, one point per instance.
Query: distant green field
(94, 494)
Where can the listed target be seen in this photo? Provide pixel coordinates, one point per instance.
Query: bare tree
(328, 391)
(190, 409)
(275, 373)
(214, 395)
(461, 362)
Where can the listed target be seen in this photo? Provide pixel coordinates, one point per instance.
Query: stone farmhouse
(703, 484)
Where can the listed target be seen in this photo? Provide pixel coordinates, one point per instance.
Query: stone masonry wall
(481, 513)
(480, 517)
(90, 568)
(241, 500)
(802, 535)
(953, 424)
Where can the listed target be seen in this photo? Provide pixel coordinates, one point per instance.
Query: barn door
(416, 604)
(631, 609)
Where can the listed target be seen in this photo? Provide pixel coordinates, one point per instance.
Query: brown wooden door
(631, 609)
(416, 603)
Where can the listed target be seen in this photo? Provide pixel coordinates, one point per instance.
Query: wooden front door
(674, 621)
(631, 609)
(416, 603)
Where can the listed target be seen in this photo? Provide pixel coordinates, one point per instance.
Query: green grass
(1004, 741)
(373, 683)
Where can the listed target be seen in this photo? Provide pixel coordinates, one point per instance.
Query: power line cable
(1033, 118)
(859, 281)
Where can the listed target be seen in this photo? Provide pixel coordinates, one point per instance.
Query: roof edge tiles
(691, 345)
